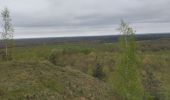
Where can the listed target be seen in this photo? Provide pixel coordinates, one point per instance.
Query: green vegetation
(154, 57)
(127, 80)
(7, 34)
(30, 80)
(83, 71)
(98, 72)
(127, 70)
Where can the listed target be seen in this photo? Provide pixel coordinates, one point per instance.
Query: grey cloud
(86, 13)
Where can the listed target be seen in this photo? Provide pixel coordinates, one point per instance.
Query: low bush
(55, 55)
(76, 50)
(98, 72)
(3, 56)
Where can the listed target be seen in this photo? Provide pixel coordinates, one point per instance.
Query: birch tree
(127, 81)
(7, 31)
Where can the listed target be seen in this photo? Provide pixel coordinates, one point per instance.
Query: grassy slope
(152, 54)
(44, 81)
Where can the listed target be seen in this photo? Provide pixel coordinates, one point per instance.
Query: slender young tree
(127, 81)
(7, 34)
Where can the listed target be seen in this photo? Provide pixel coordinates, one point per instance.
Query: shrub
(98, 72)
(54, 56)
(3, 56)
(151, 84)
(76, 50)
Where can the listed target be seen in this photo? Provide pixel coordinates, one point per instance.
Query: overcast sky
(48, 18)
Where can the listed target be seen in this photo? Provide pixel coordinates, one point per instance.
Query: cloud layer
(88, 15)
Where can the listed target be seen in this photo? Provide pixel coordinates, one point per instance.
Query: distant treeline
(94, 39)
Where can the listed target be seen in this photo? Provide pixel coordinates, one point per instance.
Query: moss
(42, 80)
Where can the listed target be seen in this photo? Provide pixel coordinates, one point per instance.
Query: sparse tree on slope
(7, 34)
(127, 81)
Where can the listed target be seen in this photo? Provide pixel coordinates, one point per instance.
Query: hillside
(44, 81)
(30, 76)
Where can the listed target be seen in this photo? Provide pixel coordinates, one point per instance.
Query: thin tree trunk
(6, 51)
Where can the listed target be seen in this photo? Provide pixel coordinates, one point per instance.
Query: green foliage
(63, 56)
(127, 81)
(7, 34)
(152, 85)
(54, 56)
(151, 53)
(3, 56)
(42, 80)
(71, 50)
